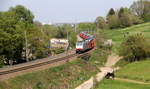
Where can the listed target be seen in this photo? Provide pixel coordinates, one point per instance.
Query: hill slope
(117, 35)
(137, 71)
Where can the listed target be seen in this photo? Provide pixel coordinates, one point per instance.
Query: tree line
(139, 12)
(22, 39)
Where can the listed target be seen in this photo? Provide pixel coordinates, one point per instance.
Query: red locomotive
(87, 43)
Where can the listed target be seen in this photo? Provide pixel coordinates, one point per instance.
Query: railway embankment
(69, 75)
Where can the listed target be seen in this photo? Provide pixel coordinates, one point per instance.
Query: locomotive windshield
(79, 43)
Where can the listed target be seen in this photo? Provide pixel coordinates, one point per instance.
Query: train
(86, 44)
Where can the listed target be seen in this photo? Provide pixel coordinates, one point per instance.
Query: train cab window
(79, 43)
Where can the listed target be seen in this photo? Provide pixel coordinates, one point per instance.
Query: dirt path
(112, 60)
(131, 81)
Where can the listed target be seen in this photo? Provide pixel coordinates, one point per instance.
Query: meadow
(116, 84)
(118, 35)
(136, 71)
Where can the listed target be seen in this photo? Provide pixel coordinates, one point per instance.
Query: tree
(22, 14)
(136, 19)
(100, 22)
(125, 17)
(86, 26)
(11, 37)
(63, 31)
(141, 8)
(135, 47)
(13, 23)
(111, 12)
(113, 21)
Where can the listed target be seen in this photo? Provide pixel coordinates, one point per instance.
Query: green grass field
(136, 71)
(117, 35)
(116, 84)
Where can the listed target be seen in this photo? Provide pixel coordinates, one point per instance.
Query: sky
(66, 11)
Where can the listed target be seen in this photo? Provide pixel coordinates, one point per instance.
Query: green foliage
(62, 32)
(58, 50)
(37, 42)
(124, 17)
(39, 85)
(141, 8)
(14, 23)
(67, 31)
(11, 39)
(100, 23)
(22, 14)
(135, 47)
(100, 38)
(72, 39)
(99, 57)
(113, 21)
(50, 31)
(1, 61)
(136, 19)
(86, 27)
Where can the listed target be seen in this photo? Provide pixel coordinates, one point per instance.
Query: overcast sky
(57, 11)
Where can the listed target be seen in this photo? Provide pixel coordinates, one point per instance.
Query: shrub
(135, 47)
(58, 50)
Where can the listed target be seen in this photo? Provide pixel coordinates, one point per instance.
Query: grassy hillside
(136, 71)
(117, 35)
(116, 84)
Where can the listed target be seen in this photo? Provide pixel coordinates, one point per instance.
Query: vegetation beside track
(68, 75)
(117, 84)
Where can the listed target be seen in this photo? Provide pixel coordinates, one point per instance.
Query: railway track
(35, 65)
(39, 63)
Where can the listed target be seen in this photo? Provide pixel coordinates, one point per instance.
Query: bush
(135, 47)
(58, 50)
